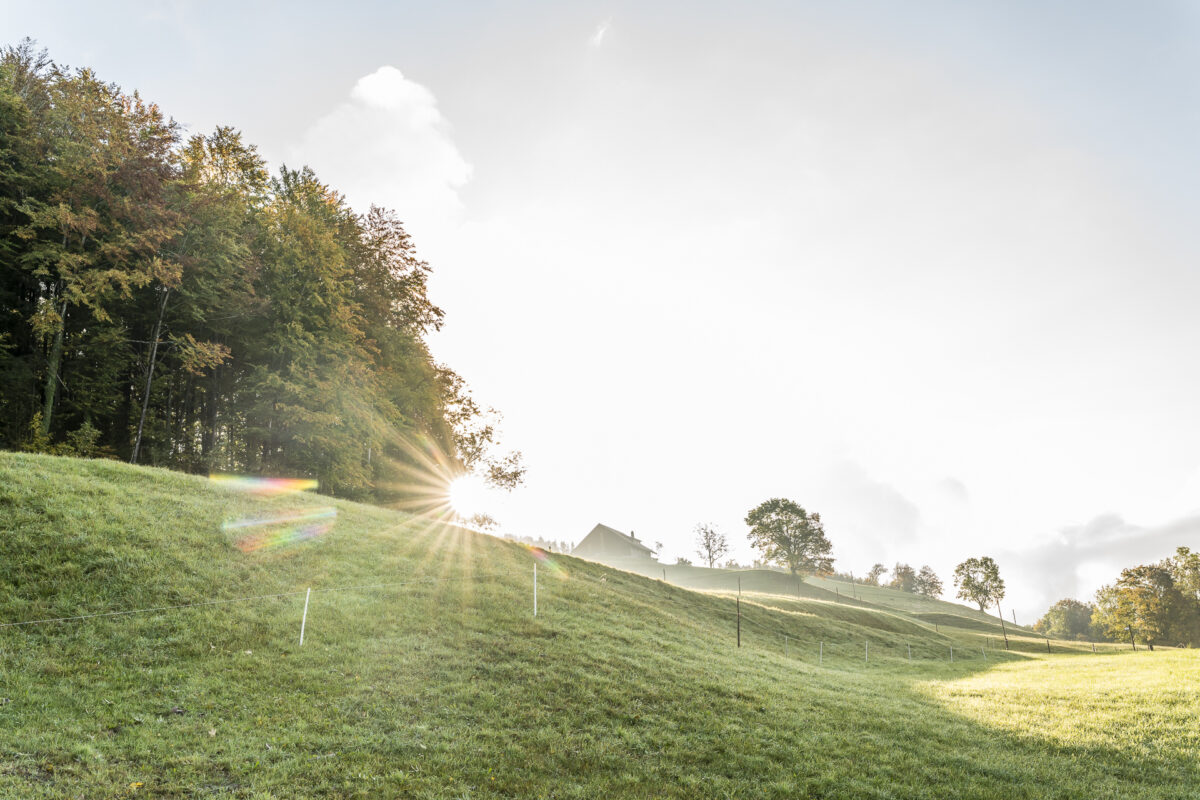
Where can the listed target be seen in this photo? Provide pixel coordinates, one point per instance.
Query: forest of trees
(167, 301)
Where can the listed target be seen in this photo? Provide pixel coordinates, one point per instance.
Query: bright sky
(929, 269)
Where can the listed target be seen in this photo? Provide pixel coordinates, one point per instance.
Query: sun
(469, 495)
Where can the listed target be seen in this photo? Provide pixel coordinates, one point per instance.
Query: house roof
(628, 537)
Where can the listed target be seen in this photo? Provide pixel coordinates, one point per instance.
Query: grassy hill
(424, 673)
(928, 608)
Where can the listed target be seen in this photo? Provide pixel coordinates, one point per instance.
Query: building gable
(604, 543)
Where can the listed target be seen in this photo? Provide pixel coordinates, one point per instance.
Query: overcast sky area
(929, 268)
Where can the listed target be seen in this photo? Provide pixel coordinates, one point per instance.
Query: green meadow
(424, 673)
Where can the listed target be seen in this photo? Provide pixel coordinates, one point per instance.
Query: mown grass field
(441, 684)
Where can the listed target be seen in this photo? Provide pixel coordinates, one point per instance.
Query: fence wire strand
(599, 583)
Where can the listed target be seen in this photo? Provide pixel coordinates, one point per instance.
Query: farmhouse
(610, 546)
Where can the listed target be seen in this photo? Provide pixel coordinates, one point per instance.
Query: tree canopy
(978, 581)
(904, 578)
(1067, 619)
(790, 536)
(1145, 604)
(928, 583)
(167, 301)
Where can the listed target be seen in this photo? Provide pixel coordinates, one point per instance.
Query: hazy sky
(927, 268)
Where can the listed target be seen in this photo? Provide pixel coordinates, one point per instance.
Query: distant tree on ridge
(711, 544)
(928, 583)
(978, 581)
(1066, 619)
(904, 578)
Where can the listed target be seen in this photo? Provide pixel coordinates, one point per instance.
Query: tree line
(166, 300)
(790, 536)
(1151, 603)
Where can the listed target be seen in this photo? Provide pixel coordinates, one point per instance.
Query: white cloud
(390, 145)
(597, 37)
(1080, 558)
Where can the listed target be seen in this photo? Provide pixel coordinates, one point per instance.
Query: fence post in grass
(951, 654)
(909, 651)
(785, 645)
(866, 650)
(1002, 629)
(739, 607)
(304, 618)
(664, 574)
(1093, 648)
(1047, 644)
(984, 651)
(535, 589)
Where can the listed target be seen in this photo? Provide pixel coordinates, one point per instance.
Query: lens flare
(545, 561)
(291, 527)
(469, 495)
(266, 487)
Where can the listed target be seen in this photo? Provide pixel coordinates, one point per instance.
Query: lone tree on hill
(978, 580)
(710, 543)
(928, 583)
(876, 572)
(787, 534)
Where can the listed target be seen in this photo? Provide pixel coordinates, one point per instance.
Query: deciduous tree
(978, 581)
(711, 544)
(789, 535)
(928, 583)
(903, 578)
(1066, 619)
(1145, 604)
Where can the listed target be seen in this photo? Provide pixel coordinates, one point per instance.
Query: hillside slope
(424, 673)
(932, 609)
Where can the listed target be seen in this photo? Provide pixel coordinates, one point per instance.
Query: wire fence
(790, 643)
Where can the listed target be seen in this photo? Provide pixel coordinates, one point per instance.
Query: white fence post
(304, 619)
(866, 650)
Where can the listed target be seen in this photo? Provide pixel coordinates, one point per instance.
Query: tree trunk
(52, 367)
(137, 442)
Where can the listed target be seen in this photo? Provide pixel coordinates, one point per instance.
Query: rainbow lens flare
(291, 527)
(544, 560)
(266, 487)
